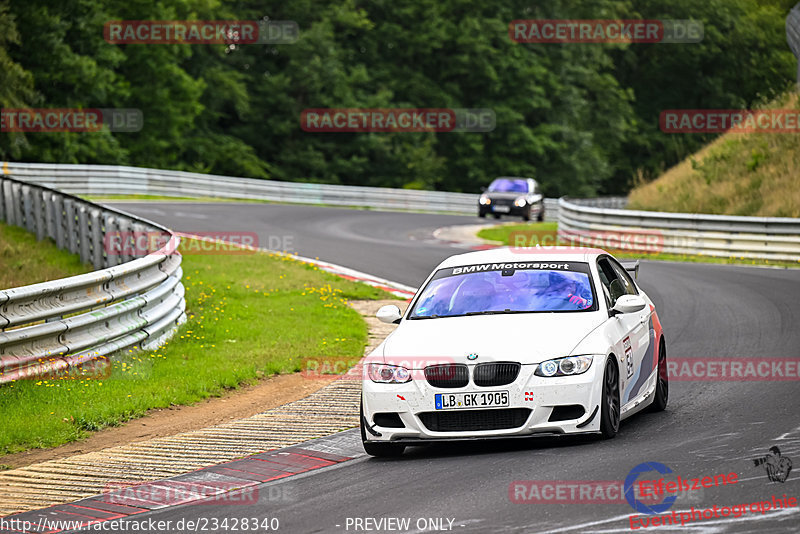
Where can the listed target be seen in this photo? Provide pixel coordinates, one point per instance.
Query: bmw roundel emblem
(472, 356)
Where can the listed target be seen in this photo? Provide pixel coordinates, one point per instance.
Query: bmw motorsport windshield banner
(509, 268)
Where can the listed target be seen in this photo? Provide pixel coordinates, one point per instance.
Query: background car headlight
(520, 202)
(573, 365)
(485, 200)
(388, 374)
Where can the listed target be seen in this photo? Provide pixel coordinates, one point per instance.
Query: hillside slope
(737, 174)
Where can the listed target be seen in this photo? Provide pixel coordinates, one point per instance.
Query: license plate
(461, 401)
(501, 209)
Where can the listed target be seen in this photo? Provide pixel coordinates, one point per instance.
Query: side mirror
(632, 268)
(629, 304)
(389, 314)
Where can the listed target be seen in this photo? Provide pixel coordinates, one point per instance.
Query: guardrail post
(139, 236)
(70, 226)
(2, 199)
(15, 214)
(27, 209)
(96, 238)
(49, 214)
(39, 214)
(111, 238)
(8, 201)
(61, 225)
(84, 234)
(124, 227)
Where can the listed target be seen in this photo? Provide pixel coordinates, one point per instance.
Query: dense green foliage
(581, 118)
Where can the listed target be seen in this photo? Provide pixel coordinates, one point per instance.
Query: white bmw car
(502, 343)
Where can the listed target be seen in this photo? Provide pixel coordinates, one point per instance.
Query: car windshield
(506, 185)
(484, 290)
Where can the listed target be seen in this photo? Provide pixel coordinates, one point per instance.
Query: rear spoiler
(632, 267)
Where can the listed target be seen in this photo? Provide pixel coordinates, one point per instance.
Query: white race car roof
(527, 255)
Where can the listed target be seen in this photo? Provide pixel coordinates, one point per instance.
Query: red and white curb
(395, 288)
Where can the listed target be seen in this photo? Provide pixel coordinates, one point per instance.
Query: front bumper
(535, 401)
(535, 209)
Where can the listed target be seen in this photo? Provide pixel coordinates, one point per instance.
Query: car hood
(526, 337)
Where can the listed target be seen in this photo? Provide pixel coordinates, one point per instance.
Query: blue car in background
(506, 195)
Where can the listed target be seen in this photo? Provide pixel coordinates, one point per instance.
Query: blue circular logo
(473, 356)
(638, 505)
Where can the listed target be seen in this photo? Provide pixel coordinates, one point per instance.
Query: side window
(625, 278)
(613, 286)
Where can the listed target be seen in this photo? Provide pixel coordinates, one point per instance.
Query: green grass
(544, 231)
(250, 316)
(545, 234)
(24, 260)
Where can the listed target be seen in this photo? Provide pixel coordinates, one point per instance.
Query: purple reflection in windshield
(524, 291)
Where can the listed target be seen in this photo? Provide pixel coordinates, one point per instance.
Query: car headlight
(485, 200)
(388, 374)
(573, 365)
(520, 202)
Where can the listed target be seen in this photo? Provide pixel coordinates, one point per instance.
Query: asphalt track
(709, 428)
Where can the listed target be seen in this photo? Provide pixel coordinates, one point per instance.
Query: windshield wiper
(493, 312)
(488, 312)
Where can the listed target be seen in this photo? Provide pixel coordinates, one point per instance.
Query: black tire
(481, 214)
(496, 215)
(662, 382)
(379, 450)
(540, 218)
(609, 405)
(526, 216)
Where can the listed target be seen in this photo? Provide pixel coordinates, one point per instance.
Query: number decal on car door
(626, 344)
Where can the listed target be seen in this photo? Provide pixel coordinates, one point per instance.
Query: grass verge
(546, 234)
(24, 260)
(249, 316)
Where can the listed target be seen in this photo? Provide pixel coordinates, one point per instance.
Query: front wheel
(481, 214)
(526, 216)
(662, 382)
(379, 450)
(496, 215)
(610, 408)
(540, 218)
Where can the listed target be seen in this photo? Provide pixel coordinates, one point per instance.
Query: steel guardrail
(129, 301)
(104, 180)
(771, 238)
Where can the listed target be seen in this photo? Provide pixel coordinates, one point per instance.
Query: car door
(630, 329)
(644, 359)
